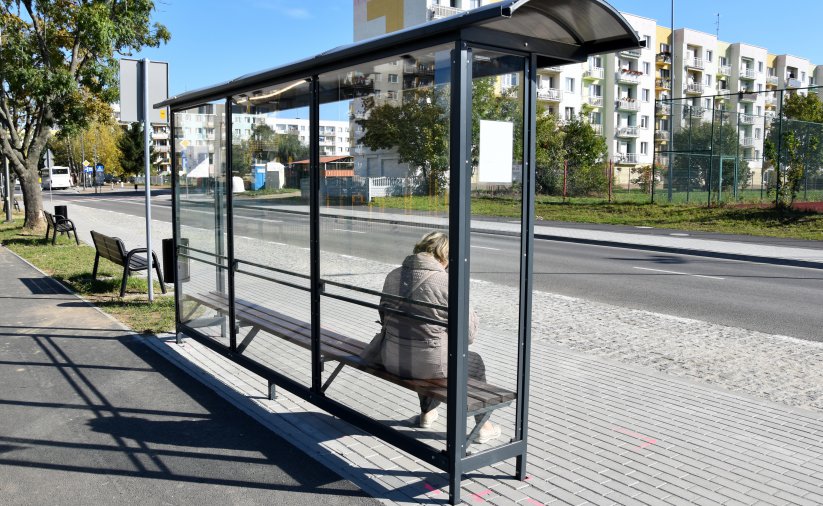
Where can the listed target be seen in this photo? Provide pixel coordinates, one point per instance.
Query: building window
(570, 84)
(645, 93)
(644, 148)
(569, 115)
(644, 122)
(647, 68)
(722, 61)
(709, 55)
(760, 67)
(759, 110)
(392, 78)
(707, 103)
(648, 40)
(708, 80)
(756, 133)
(802, 77)
(664, 48)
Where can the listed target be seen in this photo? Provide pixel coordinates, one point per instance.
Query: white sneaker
(427, 419)
(487, 434)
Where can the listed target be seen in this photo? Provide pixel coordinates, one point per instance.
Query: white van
(55, 178)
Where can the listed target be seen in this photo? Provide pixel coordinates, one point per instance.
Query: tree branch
(41, 36)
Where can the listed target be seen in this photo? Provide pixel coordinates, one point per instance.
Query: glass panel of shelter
(498, 102)
(270, 136)
(200, 157)
(377, 204)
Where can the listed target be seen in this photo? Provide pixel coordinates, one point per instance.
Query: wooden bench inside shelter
(57, 223)
(483, 398)
(113, 249)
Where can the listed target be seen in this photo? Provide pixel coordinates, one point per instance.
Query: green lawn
(697, 217)
(72, 265)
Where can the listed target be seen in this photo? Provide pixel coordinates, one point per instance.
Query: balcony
(770, 115)
(747, 119)
(597, 127)
(631, 53)
(627, 157)
(553, 68)
(694, 63)
(662, 109)
(771, 102)
(663, 84)
(793, 83)
(747, 95)
(724, 70)
(663, 58)
(694, 111)
(593, 73)
(626, 76)
(443, 11)
(594, 101)
(162, 149)
(771, 80)
(628, 131)
(628, 104)
(747, 73)
(724, 91)
(694, 88)
(550, 94)
(748, 142)
(661, 135)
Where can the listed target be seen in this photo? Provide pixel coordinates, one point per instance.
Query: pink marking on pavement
(478, 497)
(647, 441)
(430, 488)
(532, 501)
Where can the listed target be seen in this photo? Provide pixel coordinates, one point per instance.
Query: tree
(801, 150)
(586, 154)
(99, 142)
(132, 151)
(418, 129)
(550, 154)
(58, 68)
(699, 149)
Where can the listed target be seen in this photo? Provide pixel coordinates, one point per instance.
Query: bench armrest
(59, 220)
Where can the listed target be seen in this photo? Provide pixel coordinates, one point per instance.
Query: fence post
(565, 177)
(610, 175)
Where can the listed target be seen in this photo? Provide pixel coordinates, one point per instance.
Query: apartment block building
(623, 94)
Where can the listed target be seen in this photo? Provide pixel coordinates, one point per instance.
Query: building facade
(623, 94)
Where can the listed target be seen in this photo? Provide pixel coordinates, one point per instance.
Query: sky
(214, 41)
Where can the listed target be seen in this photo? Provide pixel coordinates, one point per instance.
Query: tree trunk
(32, 198)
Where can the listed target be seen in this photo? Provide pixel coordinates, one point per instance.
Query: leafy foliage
(133, 155)
(58, 68)
(100, 138)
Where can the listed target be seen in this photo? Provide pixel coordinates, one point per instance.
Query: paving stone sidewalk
(606, 425)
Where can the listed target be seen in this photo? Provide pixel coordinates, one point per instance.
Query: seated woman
(412, 348)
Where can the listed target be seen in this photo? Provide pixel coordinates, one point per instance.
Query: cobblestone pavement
(627, 406)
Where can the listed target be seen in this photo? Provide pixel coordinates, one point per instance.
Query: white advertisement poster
(496, 142)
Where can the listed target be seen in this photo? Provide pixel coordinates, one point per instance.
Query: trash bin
(258, 175)
(170, 258)
(61, 211)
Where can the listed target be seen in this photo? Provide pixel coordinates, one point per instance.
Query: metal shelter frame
(542, 33)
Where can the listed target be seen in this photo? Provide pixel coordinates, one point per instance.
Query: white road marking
(679, 273)
(679, 234)
(350, 231)
(642, 226)
(484, 247)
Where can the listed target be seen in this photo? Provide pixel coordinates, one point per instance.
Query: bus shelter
(298, 287)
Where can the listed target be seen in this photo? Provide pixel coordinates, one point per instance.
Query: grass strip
(72, 266)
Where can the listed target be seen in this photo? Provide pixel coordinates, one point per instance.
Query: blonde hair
(435, 244)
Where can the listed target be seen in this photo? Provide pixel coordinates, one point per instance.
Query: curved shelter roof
(557, 31)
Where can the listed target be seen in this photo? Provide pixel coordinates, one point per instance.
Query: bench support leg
(96, 263)
(125, 278)
(520, 467)
(180, 336)
(247, 340)
(334, 374)
(473, 434)
(272, 391)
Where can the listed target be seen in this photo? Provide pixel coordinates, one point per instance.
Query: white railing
(594, 73)
(772, 80)
(444, 11)
(695, 63)
(793, 83)
(661, 135)
(724, 70)
(627, 157)
(664, 84)
(597, 127)
(628, 131)
(595, 101)
(748, 141)
(628, 76)
(694, 88)
(663, 109)
(628, 104)
(663, 58)
(631, 53)
(747, 73)
(694, 111)
(747, 119)
(724, 91)
(549, 94)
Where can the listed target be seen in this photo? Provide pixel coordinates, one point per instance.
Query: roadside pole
(9, 192)
(147, 166)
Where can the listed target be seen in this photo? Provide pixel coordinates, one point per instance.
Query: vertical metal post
(779, 152)
(737, 155)
(232, 266)
(689, 159)
(655, 151)
(711, 163)
(175, 225)
(459, 266)
(219, 212)
(147, 168)
(720, 175)
(565, 177)
(314, 233)
(669, 144)
(526, 262)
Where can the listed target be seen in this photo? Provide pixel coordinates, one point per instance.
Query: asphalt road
(768, 298)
